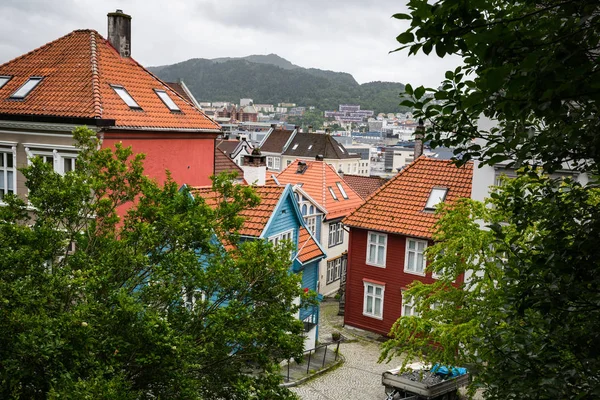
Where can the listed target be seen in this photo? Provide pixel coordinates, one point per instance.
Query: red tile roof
(398, 206)
(224, 163)
(316, 181)
(255, 218)
(308, 249)
(77, 71)
(364, 185)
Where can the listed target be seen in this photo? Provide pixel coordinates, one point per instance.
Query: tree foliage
(533, 66)
(148, 305)
(312, 118)
(526, 319)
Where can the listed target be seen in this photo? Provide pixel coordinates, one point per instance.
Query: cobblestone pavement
(359, 378)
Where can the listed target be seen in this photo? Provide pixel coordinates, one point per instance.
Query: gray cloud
(351, 36)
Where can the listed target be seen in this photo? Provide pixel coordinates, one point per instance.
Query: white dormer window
(126, 97)
(167, 100)
(26, 88)
(4, 80)
(344, 195)
(436, 197)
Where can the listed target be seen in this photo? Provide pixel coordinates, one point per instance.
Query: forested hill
(271, 79)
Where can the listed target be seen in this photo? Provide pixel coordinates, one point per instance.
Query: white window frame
(417, 253)
(374, 246)
(58, 153)
(373, 313)
(334, 270)
(286, 235)
(8, 148)
(276, 163)
(336, 234)
(190, 298)
(408, 305)
(311, 224)
(270, 162)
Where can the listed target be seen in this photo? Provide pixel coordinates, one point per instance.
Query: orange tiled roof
(255, 218)
(308, 249)
(77, 71)
(397, 207)
(316, 181)
(364, 185)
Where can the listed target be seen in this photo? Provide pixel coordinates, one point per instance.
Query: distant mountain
(271, 79)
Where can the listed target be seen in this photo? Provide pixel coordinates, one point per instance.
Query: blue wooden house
(276, 218)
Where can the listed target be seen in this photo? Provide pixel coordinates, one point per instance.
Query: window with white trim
(311, 224)
(191, 297)
(62, 160)
(376, 249)
(408, 307)
(277, 239)
(336, 234)
(334, 270)
(436, 196)
(270, 162)
(8, 171)
(373, 300)
(26, 88)
(414, 261)
(342, 191)
(276, 163)
(167, 100)
(126, 97)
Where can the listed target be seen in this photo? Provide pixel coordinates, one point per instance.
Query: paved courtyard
(359, 378)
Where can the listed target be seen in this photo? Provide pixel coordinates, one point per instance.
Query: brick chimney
(419, 134)
(119, 32)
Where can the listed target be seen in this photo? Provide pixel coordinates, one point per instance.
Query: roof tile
(398, 206)
(78, 70)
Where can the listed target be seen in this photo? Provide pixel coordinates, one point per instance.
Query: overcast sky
(353, 36)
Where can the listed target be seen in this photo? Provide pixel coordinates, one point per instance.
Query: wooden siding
(284, 218)
(310, 276)
(393, 276)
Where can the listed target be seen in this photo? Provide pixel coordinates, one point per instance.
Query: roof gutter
(100, 122)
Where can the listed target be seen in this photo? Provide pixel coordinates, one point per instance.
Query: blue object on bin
(446, 372)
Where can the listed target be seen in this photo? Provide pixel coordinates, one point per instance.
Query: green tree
(312, 118)
(149, 305)
(526, 320)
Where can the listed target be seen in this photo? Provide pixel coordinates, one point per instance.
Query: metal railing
(315, 359)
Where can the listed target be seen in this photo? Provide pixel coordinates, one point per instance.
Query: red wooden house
(388, 235)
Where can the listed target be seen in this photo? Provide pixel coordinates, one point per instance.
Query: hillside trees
(527, 320)
(147, 305)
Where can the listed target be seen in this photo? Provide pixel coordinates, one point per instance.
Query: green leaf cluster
(524, 321)
(107, 318)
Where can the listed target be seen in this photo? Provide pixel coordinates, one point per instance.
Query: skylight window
(332, 193)
(341, 149)
(126, 97)
(4, 80)
(436, 197)
(167, 100)
(295, 146)
(310, 147)
(344, 195)
(26, 88)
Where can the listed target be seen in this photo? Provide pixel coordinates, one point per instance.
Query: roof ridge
(95, 75)
(42, 47)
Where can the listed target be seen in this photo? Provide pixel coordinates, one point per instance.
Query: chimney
(119, 32)
(319, 157)
(310, 129)
(419, 134)
(341, 173)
